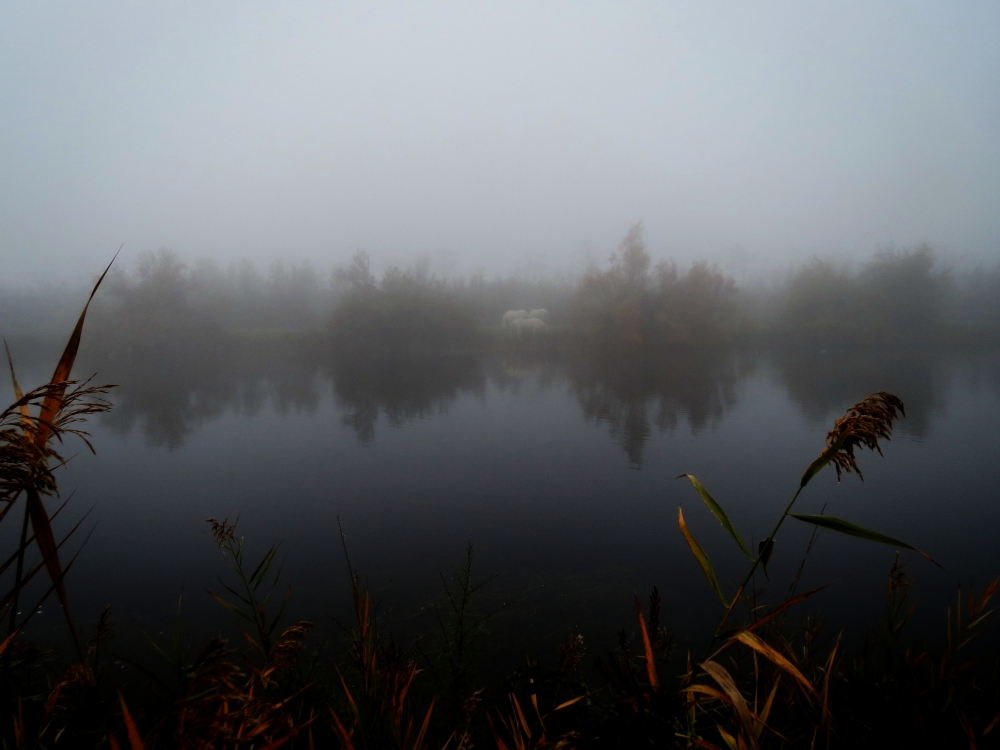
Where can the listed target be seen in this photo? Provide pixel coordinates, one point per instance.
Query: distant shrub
(697, 307)
(627, 307)
(974, 298)
(153, 306)
(896, 295)
(408, 310)
(822, 302)
(165, 302)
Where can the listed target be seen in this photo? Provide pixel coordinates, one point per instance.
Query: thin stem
(777, 526)
(17, 587)
(753, 568)
(19, 572)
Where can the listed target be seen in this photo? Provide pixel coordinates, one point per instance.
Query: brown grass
(864, 424)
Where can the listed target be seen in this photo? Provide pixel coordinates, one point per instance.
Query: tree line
(625, 305)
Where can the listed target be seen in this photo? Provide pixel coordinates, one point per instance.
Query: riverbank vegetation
(895, 296)
(766, 675)
(629, 304)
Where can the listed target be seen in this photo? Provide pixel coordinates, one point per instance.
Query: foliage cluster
(413, 310)
(164, 303)
(167, 303)
(408, 310)
(974, 299)
(897, 295)
(629, 307)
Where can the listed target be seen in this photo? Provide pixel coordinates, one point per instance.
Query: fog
(391, 281)
(496, 137)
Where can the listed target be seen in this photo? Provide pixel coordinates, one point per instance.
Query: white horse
(535, 325)
(512, 315)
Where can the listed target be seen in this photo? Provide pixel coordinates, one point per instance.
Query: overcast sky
(504, 136)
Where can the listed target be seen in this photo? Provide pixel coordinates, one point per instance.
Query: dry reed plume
(865, 423)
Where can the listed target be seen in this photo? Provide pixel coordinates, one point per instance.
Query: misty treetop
(628, 307)
(408, 309)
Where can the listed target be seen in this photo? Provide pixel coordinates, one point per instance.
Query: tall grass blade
(725, 681)
(992, 725)
(38, 605)
(133, 732)
(718, 512)
(231, 607)
(767, 706)
(701, 557)
(647, 647)
(342, 734)
(520, 715)
(729, 611)
(29, 540)
(260, 572)
(8, 640)
(18, 394)
(826, 678)
(711, 692)
(501, 745)
(570, 702)
(25, 578)
(419, 742)
(40, 522)
(771, 654)
(727, 738)
(46, 542)
(785, 605)
(846, 527)
(761, 621)
(62, 372)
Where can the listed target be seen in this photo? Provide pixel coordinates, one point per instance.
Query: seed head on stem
(865, 423)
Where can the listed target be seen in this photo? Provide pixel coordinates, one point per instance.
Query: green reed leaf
(231, 607)
(718, 512)
(701, 557)
(764, 551)
(260, 572)
(846, 527)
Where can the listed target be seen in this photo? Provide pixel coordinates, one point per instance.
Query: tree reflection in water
(404, 388)
(633, 396)
(821, 382)
(167, 394)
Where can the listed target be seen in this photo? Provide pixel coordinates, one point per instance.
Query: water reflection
(402, 388)
(983, 373)
(824, 382)
(632, 397)
(167, 397)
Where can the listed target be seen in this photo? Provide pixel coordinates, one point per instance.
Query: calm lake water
(561, 473)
